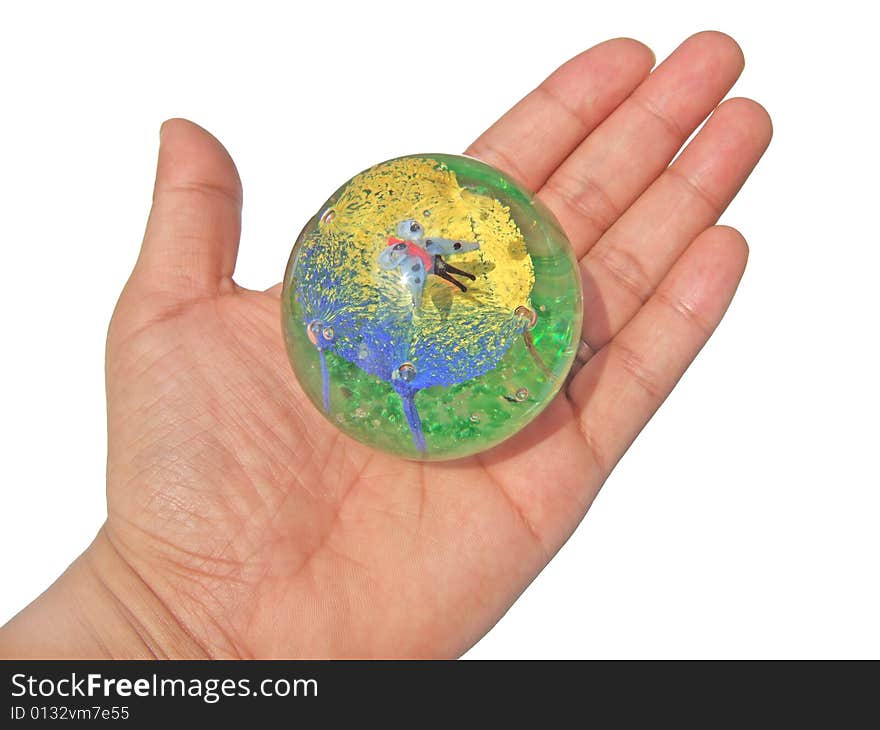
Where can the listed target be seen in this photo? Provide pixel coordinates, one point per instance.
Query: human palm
(265, 531)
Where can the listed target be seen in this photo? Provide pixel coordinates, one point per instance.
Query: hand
(241, 523)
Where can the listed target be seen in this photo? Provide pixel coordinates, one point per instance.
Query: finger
(615, 164)
(537, 134)
(629, 261)
(192, 235)
(619, 390)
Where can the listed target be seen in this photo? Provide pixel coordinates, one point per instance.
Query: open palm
(263, 530)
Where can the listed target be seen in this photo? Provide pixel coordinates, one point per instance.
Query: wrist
(98, 608)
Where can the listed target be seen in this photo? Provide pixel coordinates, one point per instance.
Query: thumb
(192, 235)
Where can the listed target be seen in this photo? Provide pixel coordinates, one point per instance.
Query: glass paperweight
(432, 307)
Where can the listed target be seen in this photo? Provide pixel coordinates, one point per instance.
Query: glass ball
(432, 307)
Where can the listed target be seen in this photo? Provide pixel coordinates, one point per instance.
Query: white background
(745, 522)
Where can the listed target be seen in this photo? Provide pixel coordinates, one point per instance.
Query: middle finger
(617, 162)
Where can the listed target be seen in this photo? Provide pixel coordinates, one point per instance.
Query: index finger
(532, 139)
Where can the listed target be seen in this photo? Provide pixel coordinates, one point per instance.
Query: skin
(242, 524)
